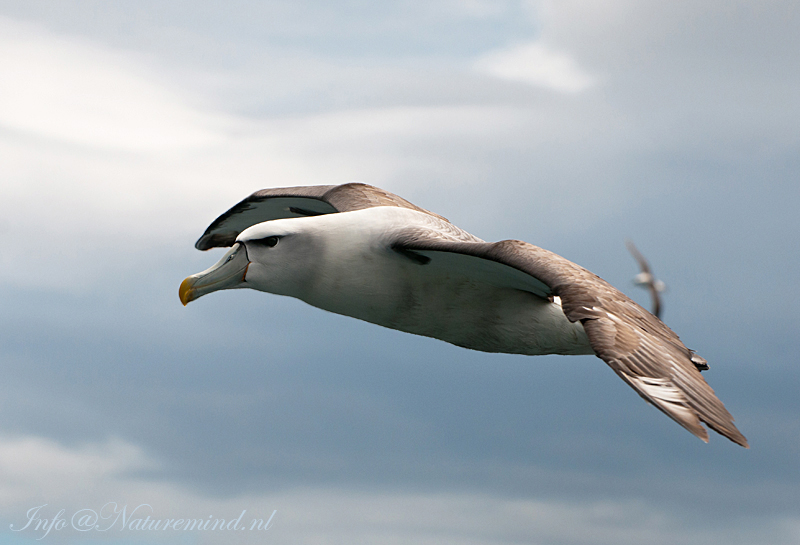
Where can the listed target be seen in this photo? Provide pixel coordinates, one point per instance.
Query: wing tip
(660, 393)
(215, 240)
(732, 434)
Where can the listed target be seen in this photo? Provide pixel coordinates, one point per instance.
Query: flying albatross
(360, 251)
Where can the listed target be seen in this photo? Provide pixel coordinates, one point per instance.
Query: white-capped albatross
(360, 251)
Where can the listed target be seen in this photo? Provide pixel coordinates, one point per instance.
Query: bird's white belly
(392, 291)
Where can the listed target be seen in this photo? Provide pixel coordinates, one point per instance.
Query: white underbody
(454, 309)
(357, 274)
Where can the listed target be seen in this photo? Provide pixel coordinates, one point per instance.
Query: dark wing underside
(291, 202)
(639, 347)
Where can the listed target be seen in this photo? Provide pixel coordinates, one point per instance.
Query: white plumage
(359, 251)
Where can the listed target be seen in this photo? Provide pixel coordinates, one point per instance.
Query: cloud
(98, 150)
(37, 471)
(96, 197)
(30, 465)
(537, 65)
(76, 92)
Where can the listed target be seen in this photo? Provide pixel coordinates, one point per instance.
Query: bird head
(272, 256)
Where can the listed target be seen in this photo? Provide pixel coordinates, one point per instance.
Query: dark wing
(639, 347)
(290, 202)
(637, 255)
(648, 274)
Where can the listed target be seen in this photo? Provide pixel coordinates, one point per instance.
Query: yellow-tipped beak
(228, 273)
(186, 291)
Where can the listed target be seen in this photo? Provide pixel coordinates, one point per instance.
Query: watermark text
(115, 517)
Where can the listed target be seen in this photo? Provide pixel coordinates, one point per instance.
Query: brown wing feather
(288, 202)
(357, 196)
(639, 347)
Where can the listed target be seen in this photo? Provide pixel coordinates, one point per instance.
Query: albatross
(363, 252)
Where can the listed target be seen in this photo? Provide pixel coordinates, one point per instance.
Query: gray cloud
(686, 143)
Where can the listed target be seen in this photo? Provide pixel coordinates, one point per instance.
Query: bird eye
(268, 241)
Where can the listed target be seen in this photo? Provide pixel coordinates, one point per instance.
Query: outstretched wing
(637, 255)
(639, 347)
(647, 278)
(290, 202)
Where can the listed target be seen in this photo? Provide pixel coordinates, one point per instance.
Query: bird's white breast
(360, 276)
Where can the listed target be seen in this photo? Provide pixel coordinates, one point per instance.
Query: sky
(126, 128)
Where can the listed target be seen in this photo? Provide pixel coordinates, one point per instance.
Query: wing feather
(290, 202)
(638, 346)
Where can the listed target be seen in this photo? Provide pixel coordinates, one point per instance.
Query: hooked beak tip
(186, 291)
